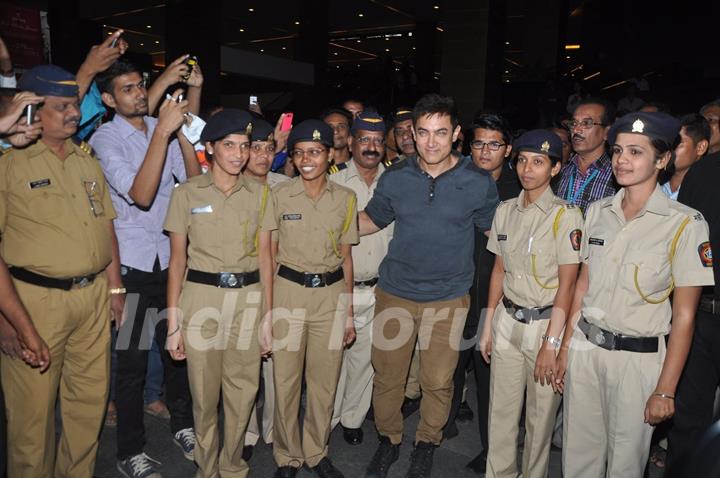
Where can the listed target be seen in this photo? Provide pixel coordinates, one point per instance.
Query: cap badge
(271, 137)
(545, 147)
(248, 129)
(316, 135)
(638, 126)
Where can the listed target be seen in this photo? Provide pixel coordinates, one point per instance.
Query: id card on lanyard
(572, 193)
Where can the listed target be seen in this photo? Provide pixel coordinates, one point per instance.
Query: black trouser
(695, 395)
(148, 290)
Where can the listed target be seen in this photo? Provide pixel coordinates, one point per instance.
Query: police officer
(262, 150)
(536, 242)
(59, 243)
(214, 221)
(402, 129)
(639, 247)
(316, 226)
(354, 393)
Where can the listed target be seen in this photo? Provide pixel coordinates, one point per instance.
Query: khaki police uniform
(55, 219)
(252, 435)
(532, 241)
(308, 323)
(220, 325)
(354, 390)
(632, 267)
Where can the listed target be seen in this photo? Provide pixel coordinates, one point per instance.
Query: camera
(190, 61)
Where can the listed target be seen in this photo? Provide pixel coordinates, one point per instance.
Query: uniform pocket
(647, 273)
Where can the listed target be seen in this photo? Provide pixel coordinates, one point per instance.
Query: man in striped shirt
(588, 177)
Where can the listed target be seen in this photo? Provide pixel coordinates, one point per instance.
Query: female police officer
(639, 247)
(316, 221)
(214, 315)
(536, 240)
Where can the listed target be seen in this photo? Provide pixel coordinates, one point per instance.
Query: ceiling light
(262, 51)
(148, 26)
(109, 33)
(335, 53)
(157, 42)
(337, 66)
(142, 44)
(506, 72)
(413, 48)
(387, 49)
(360, 15)
(297, 23)
(358, 41)
(436, 7)
(241, 30)
(251, 9)
(507, 42)
(283, 48)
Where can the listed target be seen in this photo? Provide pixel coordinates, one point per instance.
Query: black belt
(308, 279)
(526, 314)
(709, 304)
(612, 341)
(224, 280)
(366, 283)
(64, 284)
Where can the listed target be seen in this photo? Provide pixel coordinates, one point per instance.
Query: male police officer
(354, 392)
(59, 242)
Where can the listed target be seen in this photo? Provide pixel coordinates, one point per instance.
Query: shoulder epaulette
(336, 168)
(388, 162)
(84, 147)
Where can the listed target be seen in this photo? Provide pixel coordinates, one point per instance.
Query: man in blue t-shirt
(436, 200)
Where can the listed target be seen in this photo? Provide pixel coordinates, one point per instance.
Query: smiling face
(434, 136)
(368, 148)
(535, 170)
(129, 96)
(59, 117)
(404, 137)
(230, 153)
(311, 159)
(635, 160)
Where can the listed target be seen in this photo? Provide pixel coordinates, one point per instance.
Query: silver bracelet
(664, 395)
(554, 341)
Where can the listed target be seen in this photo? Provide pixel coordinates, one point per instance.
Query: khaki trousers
(412, 387)
(604, 406)
(437, 326)
(308, 336)
(354, 390)
(512, 367)
(252, 435)
(75, 324)
(220, 330)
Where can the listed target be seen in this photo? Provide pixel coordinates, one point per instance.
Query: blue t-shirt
(430, 257)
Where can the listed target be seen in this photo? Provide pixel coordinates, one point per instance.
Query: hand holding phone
(30, 111)
(287, 122)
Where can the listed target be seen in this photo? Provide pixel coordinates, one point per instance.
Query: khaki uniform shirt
(533, 241)
(310, 231)
(273, 179)
(55, 214)
(629, 259)
(371, 250)
(221, 229)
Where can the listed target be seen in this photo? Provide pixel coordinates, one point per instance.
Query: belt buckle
(519, 315)
(315, 281)
(228, 279)
(84, 282)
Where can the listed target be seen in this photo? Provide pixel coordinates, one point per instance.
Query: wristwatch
(554, 341)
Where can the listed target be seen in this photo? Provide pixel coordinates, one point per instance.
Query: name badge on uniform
(291, 217)
(596, 242)
(502, 237)
(202, 210)
(40, 183)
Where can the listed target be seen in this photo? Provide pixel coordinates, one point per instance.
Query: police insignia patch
(705, 252)
(316, 135)
(248, 129)
(575, 238)
(545, 147)
(638, 126)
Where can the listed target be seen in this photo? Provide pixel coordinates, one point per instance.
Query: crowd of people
(345, 265)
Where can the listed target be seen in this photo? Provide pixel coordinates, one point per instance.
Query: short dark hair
(706, 106)
(121, 67)
(432, 104)
(493, 122)
(608, 116)
(338, 111)
(696, 126)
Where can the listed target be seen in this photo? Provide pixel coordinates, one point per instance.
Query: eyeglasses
(366, 140)
(587, 123)
(259, 148)
(312, 153)
(491, 145)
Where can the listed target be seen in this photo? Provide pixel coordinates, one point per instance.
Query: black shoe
(385, 455)
(285, 472)
(478, 463)
(247, 452)
(464, 413)
(353, 436)
(325, 469)
(421, 460)
(410, 406)
(450, 431)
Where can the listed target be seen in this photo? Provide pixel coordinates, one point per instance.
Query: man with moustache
(140, 159)
(59, 243)
(354, 391)
(437, 200)
(588, 176)
(402, 129)
(340, 120)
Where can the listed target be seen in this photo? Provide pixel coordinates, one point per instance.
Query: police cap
(311, 130)
(402, 114)
(658, 125)
(368, 120)
(540, 141)
(225, 122)
(262, 130)
(49, 80)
